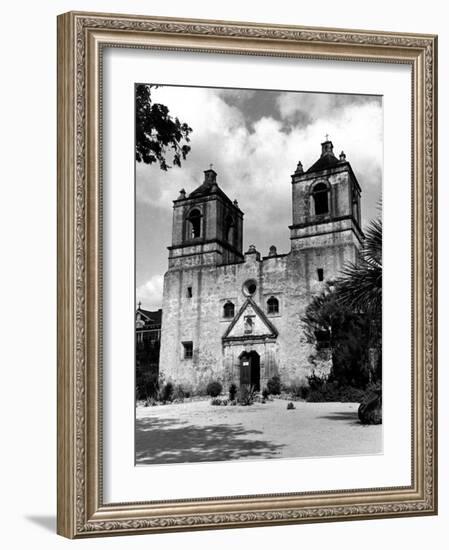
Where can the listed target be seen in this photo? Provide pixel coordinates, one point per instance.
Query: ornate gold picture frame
(82, 39)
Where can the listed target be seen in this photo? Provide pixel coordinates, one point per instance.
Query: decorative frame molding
(81, 37)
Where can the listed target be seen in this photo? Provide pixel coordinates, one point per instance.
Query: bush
(232, 392)
(214, 388)
(370, 409)
(274, 385)
(246, 396)
(218, 402)
(178, 393)
(298, 390)
(304, 392)
(147, 384)
(150, 402)
(316, 382)
(375, 387)
(321, 390)
(166, 393)
(290, 406)
(349, 394)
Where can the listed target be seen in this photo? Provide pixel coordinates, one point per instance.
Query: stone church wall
(291, 278)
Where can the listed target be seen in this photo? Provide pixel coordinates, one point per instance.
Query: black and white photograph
(227, 224)
(258, 277)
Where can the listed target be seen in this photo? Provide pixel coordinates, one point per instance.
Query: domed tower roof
(209, 186)
(327, 158)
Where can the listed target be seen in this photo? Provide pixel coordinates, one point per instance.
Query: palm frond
(372, 246)
(360, 284)
(360, 287)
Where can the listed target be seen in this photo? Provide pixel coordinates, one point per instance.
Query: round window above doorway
(249, 287)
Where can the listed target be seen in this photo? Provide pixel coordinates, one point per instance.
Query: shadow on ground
(351, 416)
(46, 522)
(161, 441)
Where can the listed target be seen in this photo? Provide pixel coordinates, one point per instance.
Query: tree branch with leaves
(157, 132)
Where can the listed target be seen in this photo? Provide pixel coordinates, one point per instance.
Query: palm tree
(360, 284)
(360, 289)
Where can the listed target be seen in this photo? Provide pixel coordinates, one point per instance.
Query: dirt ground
(200, 432)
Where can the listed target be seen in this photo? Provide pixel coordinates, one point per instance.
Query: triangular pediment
(151, 317)
(141, 315)
(250, 322)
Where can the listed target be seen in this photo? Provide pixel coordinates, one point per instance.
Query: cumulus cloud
(307, 107)
(150, 293)
(254, 140)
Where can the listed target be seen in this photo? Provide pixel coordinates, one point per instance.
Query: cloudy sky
(254, 139)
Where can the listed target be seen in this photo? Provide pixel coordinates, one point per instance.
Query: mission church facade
(235, 316)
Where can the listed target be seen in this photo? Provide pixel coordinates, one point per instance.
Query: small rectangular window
(189, 292)
(320, 272)
(273, 305)
(188, 350)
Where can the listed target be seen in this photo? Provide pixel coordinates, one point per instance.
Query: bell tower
(207, 227)
(326, 209)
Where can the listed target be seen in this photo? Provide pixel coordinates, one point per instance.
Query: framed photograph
(246, 274)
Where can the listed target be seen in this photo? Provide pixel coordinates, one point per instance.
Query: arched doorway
(250, 369)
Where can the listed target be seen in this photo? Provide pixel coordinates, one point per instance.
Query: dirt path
(200, 432)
